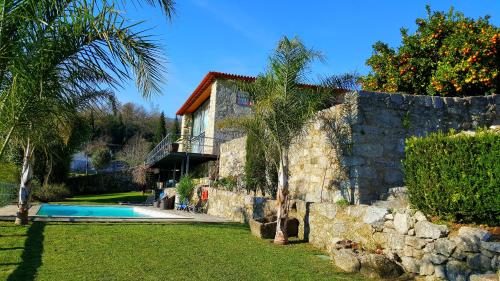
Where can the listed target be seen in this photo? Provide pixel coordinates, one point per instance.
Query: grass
(104, 199)
(101, 251)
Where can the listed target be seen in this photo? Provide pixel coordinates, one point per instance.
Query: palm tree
(58, 57)
(283, 104)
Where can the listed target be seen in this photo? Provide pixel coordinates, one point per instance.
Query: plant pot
(174, 147)
(265, 228)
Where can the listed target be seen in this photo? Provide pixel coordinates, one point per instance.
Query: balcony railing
(190, 144)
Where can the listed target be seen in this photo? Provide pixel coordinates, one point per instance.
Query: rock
(389, 217)
(444, 247)
(479, 262)
(439, 272)
(458, 271)
(410, 264)
(396, 241)
(435, 258)
(483, 277)
(375, 215)
(495, 264)
(389, 224)
(426, 268)
(346, 260)
(379, 266)
(402, 223)
(419, 216)
(415, 242)
(411, 232)
(425, 229)
(481, 234)
(491, 246)
(466, 244)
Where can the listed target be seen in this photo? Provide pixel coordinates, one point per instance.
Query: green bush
(455, 176)
(51, 192)
(228, 183)
(185, 188)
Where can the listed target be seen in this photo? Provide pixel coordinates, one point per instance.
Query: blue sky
(238, 36)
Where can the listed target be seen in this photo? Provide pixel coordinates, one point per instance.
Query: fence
(8, 193)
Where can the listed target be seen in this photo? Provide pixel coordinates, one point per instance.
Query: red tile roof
(205, 83)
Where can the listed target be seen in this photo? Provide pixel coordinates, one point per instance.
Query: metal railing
(8, 193)
(190, 144)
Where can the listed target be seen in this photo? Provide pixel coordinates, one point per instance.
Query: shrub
(101, 158)
(185, 187)
(50, 192)
(455, 176)
(449, 55)
(255, 164)
(228, 183)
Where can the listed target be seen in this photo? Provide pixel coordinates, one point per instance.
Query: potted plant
(185, 188)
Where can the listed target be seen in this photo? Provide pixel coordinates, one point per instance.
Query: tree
(161, 129)
(57, 58)
(448, 55)
(176, 129)
(135, 151)
(282, 105)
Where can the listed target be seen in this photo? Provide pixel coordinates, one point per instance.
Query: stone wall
(224, 96)
(232, 158)
(383, 121)
(238, 207)
(354, 150)
(406, 238)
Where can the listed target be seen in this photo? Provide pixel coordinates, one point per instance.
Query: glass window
(243, 99)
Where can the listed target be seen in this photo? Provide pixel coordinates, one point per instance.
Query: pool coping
(7, 213)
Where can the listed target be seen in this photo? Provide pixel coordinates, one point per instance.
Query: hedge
(455, 176)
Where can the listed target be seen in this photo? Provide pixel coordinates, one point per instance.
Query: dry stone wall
(238, 207)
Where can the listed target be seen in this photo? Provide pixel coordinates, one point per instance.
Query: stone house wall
(224, 105)
(232, 157)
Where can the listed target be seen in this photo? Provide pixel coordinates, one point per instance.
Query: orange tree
(448, 55)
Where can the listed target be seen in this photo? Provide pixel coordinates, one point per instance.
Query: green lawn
(132, 251)
(104, 199)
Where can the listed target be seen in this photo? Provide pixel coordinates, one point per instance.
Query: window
(243, 99)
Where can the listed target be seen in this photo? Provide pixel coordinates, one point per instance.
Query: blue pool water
(50, 210)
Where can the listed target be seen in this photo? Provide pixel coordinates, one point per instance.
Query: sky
(237, 36)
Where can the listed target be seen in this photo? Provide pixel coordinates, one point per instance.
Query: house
(214, 99)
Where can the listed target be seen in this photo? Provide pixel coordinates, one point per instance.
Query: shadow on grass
(32, 254)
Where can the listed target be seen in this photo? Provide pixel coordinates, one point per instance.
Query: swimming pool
(53, 210)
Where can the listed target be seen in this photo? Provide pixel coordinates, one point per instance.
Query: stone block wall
(383, 121)
(232, 158)
(238, 207)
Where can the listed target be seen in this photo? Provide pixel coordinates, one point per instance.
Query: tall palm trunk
(25, 186)
(281, 236)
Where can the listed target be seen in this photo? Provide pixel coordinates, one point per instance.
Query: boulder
(483, 277)
(379, 266)
(444, 247)
(410, 264)
(346, 260)
(466, 244)
(415, 242)
(425, 229)
(479, 262)
(402, 223)
(435, 258)
(374, 215)
(491, 246)
(419, 216)
(439, 272)
(458, 271)
(426, 268)
(469, 232)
